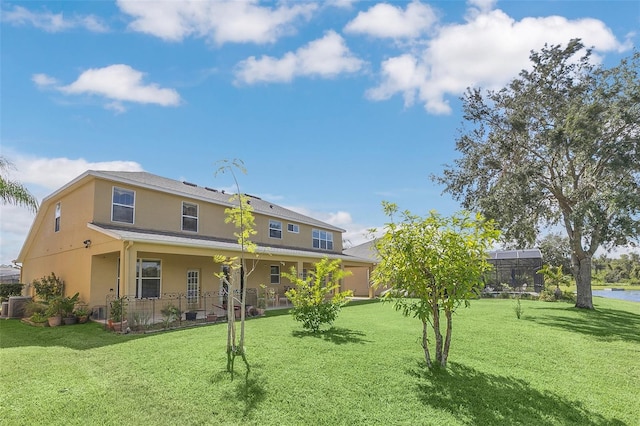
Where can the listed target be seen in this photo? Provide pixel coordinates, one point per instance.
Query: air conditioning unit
(17, 306)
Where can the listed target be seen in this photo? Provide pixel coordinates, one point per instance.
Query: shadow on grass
(249, 390)
(605, 324)
(339, 336)
(14, 334)
(479, 398)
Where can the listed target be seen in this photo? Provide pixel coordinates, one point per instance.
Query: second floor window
(292, 227)
(322, 239)
(56, 223)
(189, 217)
(123, 205)
(275, 229)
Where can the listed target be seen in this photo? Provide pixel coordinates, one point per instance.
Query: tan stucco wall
(92, 271)
(358, 281)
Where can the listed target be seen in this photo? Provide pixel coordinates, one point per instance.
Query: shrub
(34, 308)
(312, 300)
(38, 318)
(12, 289)
(170, 313)
(518, 308)
(48, 287)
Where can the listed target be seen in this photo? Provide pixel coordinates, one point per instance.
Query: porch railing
(173, 310)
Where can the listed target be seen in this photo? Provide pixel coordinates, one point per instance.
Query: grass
(554, 366)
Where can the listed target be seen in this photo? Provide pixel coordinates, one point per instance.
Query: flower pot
(212, 318)
(119, 326)
(70, 320)
(54, 321)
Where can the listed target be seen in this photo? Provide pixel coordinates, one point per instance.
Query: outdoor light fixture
(86, 243)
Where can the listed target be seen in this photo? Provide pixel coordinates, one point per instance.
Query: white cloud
(119, 83)
(42, 176)
(53, 22)
(43, 80)
(488, 50)
(219, 21)
(326, 57)
(386, 21)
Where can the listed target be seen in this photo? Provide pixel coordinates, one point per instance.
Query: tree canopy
(432, 265)
(558, 145)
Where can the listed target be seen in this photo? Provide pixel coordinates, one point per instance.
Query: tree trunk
(425, 344)
(582, 274)
(447, 339)
(436, 331)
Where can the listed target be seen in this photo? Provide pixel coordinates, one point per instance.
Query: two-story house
(140, 235)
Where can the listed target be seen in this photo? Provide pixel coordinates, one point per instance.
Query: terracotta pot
(119, 326)
(55, 321)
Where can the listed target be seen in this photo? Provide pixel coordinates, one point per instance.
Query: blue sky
(333, 106)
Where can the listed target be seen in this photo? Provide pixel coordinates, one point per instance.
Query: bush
(170, 313)
(38, 318)
(34, 308)
(49, 287)
(312, 302)
(7, 290)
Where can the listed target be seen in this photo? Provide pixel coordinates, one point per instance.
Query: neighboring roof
(515, 254)
(364, 251)
(174, 239)
(191, 190)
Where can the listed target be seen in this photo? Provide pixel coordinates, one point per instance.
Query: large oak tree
(558, 145)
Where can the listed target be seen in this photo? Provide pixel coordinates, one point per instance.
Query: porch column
(128, 272)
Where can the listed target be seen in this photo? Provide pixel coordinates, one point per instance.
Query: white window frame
(193, 285)
(56, 220)
(293, 228)
(185, 216)
(132, 206)
(322, 240)
(274, 274)
(140, 278)
(275, 229)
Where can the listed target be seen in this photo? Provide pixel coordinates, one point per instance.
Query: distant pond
(632, 295)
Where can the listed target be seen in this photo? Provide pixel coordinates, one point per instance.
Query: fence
(174, 310)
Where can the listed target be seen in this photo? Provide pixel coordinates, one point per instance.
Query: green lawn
(555, 366)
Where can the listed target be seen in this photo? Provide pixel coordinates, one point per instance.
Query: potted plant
(118, 315)
(212, 317)
(82, 313)
(54, 311)
(67, 307)
(192, 313)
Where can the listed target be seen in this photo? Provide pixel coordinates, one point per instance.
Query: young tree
(315, 298)
(559, 145)
(241, 216)
(13, 192)
(432, 265)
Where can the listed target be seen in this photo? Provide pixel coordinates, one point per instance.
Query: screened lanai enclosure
(517, 269)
